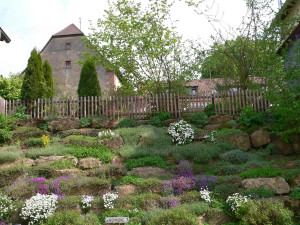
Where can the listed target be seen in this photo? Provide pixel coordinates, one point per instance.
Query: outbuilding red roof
(68, 31)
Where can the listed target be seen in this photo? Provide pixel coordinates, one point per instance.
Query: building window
(68, 64)
(193, 90)
(68, 46)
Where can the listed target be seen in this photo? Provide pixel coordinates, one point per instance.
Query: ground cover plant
(195, 179)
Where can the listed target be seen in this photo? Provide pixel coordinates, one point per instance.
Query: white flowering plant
(110, 199)
(206, 195)
(7, 207)
(38, 208)
(210, 137)
(86, 202)
(236, 201)
(181, 132)
(106, 134)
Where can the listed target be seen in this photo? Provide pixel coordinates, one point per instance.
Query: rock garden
(198, 169)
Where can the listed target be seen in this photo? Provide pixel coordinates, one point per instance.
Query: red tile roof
(68, 31)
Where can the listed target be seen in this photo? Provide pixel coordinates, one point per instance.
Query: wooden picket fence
(138, 107)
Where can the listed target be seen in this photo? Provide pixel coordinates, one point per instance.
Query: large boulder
(241, 141)
(200, 135)
(114, 143)
(260, 138)
(64, 123)
(35, 122)
(220, 119)
(126, 189)
(284, 148)
(47, 159)
(67, 173)
(103, 122)
(295, 181)
(296, 145)
(278, 184)
(89, 163)
(211, 127)
(147, 171)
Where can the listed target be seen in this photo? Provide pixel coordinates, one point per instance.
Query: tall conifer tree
(48, 79)
(33, 86)
(88, 83)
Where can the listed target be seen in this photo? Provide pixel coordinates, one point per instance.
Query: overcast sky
(31, 23)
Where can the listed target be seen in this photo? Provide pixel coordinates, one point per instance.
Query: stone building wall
(67, 78)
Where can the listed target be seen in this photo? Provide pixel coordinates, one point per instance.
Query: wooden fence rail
(138, 107)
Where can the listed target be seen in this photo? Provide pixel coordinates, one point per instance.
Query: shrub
(170, 201)
(43, 126)
(23, 133)
(100, 152)
(225, 190)
(155, 121)
(127, 123)
(210, 110)
(5, 136)
(266, 171)
(34, 142)
(174, 216)
(264, 212)
(235, 156)
(249, 117)
(261, 192)
(295, 193)
(291, 173)
(272, 149)
(88, 82)
(65, 217)
(196, 208)
(199, 119)
(139, 201)
(150, 183)
(86, 122)
(19, 114)
(130, 179)
(230, 169)
(41, 171)
(164, 115)
(7, 122)
(9, 155)
(82, 140)
(146, 161)
(8, 175)
(190, 196)
(222, 134)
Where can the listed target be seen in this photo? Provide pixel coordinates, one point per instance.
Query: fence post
(2, 106)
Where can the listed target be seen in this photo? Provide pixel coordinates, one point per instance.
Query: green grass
(55, 149)
(146, 161)
(266, 171)
(63, 164)
(100, 152)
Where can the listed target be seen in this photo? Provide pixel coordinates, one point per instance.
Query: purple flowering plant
(170, 202)
(186, 181)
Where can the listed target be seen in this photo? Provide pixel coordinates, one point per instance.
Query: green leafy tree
(252, 50)
(88, 83)
(33, 85)
(141, 48)
(10, 88)
(48, 79)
